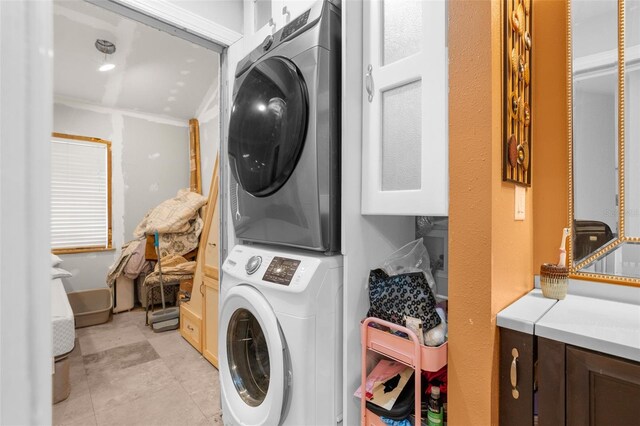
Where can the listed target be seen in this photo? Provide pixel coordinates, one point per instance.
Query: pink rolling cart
(409, 352)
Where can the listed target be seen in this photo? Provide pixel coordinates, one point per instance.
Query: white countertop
(607, 326)
(523, 314)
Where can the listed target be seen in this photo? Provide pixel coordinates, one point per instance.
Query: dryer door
(268, 126)
(254, 365)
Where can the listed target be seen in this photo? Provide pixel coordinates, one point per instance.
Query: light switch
(521, 193)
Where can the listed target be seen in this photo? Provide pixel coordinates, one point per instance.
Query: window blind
(79, 194)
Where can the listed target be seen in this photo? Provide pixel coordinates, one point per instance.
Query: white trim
(181, 18)
(74, 103)
(26, 71)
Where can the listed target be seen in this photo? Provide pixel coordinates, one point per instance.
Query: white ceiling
(155, 72)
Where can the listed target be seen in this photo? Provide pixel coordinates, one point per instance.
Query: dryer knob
(268, 41)
(253, 264)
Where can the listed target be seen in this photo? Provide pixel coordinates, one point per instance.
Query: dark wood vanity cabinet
(517, 360)
(575, 386)
(601, 389)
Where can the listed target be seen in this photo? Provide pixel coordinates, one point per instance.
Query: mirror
(604, 112)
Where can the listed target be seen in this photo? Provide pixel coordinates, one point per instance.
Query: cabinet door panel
(210, 335)
(205, 294)
(405, 163)
(516, 410)
(601, 389)
(551, 382)
(212, 248)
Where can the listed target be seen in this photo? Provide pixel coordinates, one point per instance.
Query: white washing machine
(280, 337)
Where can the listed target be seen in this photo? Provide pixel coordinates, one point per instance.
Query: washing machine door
(268, 126)
(254, 364)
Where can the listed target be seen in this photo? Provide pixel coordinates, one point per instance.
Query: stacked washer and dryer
(280, 336)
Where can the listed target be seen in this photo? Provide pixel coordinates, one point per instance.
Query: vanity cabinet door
(601, 389)
(405, 142)
(517, 352)
(551, 382)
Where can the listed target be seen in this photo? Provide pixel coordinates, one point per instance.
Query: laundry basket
(91, 307)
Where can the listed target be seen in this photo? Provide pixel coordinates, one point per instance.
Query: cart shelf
(433, 358)
(407, 351)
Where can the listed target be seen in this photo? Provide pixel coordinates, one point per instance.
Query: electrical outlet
(520, 197)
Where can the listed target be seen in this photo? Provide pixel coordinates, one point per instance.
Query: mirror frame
(574, 269)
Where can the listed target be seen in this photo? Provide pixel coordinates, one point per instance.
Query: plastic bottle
(435, 416)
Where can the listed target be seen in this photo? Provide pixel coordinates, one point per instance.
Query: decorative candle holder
(554, 281)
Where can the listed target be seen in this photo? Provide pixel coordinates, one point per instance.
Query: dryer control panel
(295, 25)
(281, 270)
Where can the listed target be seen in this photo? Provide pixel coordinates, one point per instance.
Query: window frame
(90, 249)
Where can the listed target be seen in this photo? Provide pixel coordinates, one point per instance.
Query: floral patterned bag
(391, 298)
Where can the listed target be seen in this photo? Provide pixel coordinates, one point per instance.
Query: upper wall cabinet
(405, 143)
(264, 17)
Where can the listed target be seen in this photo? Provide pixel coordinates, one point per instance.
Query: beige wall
(493, 257)
(550, 129)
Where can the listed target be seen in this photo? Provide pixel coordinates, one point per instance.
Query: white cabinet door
(405, 143)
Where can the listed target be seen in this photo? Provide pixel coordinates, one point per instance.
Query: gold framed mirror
(603, 93)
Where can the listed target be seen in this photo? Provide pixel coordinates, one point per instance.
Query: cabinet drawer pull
(189, 328)
(514, 374)
(368, 78)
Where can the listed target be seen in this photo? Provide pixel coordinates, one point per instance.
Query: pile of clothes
(177, 221)
(179, 225)
(131, 262)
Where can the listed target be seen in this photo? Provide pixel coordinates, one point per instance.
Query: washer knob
(268, 41)
(253, 264)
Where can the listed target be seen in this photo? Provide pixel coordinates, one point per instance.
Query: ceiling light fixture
(108, 48)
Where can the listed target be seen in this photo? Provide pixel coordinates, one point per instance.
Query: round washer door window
(268, 126)
(255, 374)
(248, 356)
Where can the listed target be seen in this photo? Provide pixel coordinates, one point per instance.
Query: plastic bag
(412, 257)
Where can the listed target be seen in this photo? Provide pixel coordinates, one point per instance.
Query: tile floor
(122, 373)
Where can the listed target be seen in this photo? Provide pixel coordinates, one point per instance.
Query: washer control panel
(281, 270)
(253, 264)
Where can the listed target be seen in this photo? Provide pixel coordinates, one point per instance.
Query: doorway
(138, 89)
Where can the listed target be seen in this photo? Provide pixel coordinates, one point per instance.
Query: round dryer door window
(268, 126)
